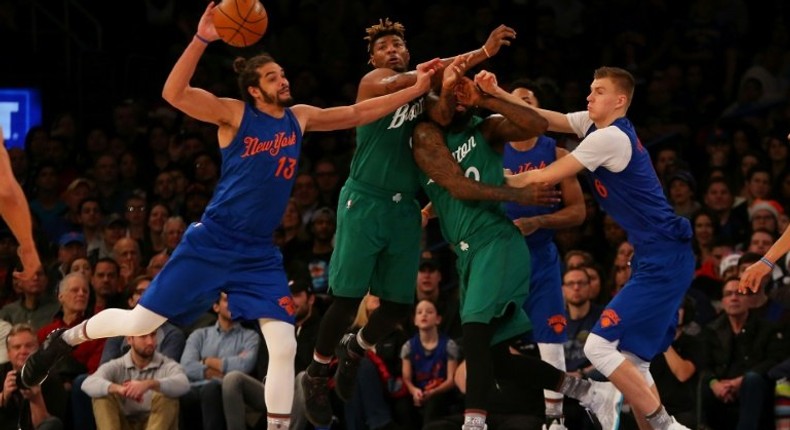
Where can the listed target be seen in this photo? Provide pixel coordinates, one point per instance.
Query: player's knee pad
(642, 365)
(603, 354)
(280, 341)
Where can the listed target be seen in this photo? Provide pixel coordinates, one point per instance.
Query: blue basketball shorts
(211, 259)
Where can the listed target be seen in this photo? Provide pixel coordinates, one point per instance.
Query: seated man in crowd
(210, 354)
(139, 390)
(741, 348)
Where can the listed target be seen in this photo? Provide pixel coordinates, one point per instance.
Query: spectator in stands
(582, 316)
(35, 306)
(139, 390)
(211, 353)
(740, 349)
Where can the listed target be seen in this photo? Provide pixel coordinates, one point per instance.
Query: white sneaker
(474, 427)
(555, 424)
(604, 400)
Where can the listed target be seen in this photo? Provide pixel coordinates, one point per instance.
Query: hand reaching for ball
(238, 23)
(206, 29)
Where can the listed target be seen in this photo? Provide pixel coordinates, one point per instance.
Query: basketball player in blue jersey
(15, 211)
(231, 249)
(545, 304)
(640, 321)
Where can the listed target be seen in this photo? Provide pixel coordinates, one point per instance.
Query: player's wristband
(712, 381)
(485, 51)
(202, 39)
(767, 262)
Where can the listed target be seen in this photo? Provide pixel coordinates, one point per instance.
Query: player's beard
(276, 99)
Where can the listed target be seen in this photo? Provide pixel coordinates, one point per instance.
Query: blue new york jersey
(258, 171)
(541, 155)
(231, 249)
(634, 197)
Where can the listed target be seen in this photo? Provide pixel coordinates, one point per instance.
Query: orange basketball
(240, 22)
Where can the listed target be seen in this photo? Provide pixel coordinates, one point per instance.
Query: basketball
(240, 23)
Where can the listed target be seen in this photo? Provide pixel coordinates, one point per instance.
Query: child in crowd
(428, 358)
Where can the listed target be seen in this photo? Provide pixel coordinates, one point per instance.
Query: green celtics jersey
(459, 219)
(383, 155)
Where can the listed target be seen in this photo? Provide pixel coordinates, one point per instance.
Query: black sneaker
(347, 365)
(315, 392)
(37, 366)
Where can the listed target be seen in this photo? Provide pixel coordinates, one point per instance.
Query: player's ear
(622, 100)
(254, 91)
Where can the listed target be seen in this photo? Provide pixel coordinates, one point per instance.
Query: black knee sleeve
(479, 369)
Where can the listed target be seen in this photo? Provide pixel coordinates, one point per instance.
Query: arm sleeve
(608, 147)
(244, 361)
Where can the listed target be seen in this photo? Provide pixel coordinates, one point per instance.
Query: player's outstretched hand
(751, 277)
(31, 264)
(467, 93)
(455, 71)
(487, 82)
(540, 194)
(206, 28)
(502, 35)
(425, 71)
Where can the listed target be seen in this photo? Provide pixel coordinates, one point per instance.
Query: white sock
(554, 354)
(275, 422)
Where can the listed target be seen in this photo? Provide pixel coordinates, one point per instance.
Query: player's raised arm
(390, 57)
(516, 122)
(196, 102)
(16, 213)
(434, 158)
(342, 117)
(440, 108)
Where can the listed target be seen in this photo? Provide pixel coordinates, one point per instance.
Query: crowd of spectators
(114, 184)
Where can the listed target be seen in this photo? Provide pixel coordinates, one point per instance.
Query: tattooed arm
(433, 157)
